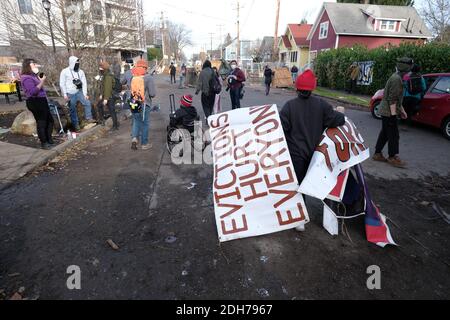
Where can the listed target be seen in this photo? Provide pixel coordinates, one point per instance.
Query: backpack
(117, 88)
(216, 85)
(137, 99)
(414, 85)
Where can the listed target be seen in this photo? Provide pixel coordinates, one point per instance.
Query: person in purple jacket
(37, 103)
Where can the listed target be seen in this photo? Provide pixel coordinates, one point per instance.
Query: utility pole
(66, 28)
(275, 42)
(238, 51)
(162, 36)
(221, 39)
(211, 35)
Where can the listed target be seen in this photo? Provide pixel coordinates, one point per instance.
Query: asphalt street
(161, 217)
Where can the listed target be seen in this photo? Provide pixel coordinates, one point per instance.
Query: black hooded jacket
(185, 116)
(304, 120)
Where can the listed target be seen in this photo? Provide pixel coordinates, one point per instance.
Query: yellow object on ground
(8, 88)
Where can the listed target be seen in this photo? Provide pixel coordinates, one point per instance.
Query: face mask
(233, 66)
(77, 67)
(35, 70)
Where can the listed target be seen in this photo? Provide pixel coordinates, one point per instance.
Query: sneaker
(301, 228)
(77, 129)
(379, 157)
(91, 121)
(147, 147)
(396, 162)
(134, 144)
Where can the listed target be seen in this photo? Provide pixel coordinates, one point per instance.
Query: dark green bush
(331, 66)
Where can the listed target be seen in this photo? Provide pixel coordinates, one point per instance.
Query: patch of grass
(342, 96)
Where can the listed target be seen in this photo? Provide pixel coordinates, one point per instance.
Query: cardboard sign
(339, 150)
(255, 186)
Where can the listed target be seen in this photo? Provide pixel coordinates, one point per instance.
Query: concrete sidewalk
(17, 161)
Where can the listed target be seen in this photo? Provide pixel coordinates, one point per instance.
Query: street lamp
(47, 6)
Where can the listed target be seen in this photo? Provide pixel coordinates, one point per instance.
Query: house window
(324, 30)
(97, 10)
(25, 6)
(99, 31)
(108, 11)
(387, 25)
(294, 56)
(29, 31)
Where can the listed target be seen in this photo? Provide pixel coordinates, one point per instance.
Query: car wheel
(446, 128)
(376, 110)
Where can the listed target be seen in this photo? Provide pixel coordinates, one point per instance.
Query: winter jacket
(240, 79)
(268, 74)
(108, 85)
(294, 69)
(186, 116)
(393, 94)
(304, 121)
(67, 76)
(126, 79)
(29, 85)
(205, 80)
(150, 89)
(173, 70)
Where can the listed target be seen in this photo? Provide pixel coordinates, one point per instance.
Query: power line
(188, 11)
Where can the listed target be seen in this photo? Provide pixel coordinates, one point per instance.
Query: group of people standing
(107, 88)
(210, 83)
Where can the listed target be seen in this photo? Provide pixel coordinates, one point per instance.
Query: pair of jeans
(182, 82)
(294, 76)
(74, 99)
(235, 95)
(389, 134)
(141, 125)
(44, 119)
(112, 112)
(208, 104)
(173, 78)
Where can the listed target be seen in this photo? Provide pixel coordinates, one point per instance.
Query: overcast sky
(257, 17)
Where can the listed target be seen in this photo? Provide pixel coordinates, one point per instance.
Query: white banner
(340, 149)
(255, 186)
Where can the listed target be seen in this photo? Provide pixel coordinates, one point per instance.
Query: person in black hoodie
(304, 120)
(268, 75)
(186, 115)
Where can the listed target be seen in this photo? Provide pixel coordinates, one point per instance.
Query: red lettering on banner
(278, 181)
(241, 152)
(223, 131)
(227, 143)
(289, 195)
(290, 219)
(263, 114)
(235, 229)
(228, 185)
(275, 124)
(236, 136)
(267, 144)
(255, 194)
(235, 193)
(341, 144)
(233, 208)
(323, 149)
(351, 132)
(227, 153)
(252, 174)
(217, 124)
(275, 164)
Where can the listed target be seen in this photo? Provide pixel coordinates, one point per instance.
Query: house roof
(353, 19)
(300, 33)
(286, 41)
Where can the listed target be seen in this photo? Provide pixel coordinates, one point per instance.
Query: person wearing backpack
(390, 108)
(106, 98)
(415, 89)
(218, 84)
(142, 92)
(205, 85)
(183, 73)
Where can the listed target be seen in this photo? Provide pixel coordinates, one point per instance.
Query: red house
(347, 24)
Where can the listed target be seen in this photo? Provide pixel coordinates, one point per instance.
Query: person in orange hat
(304, 120)
(142, 92)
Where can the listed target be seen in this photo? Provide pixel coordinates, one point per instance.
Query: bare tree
(179, 39)
(92, 32)
(437, 16)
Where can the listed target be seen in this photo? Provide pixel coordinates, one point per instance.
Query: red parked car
(435, 106)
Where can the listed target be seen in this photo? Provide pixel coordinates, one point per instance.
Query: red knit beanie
(307, 81)
(186, 101)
